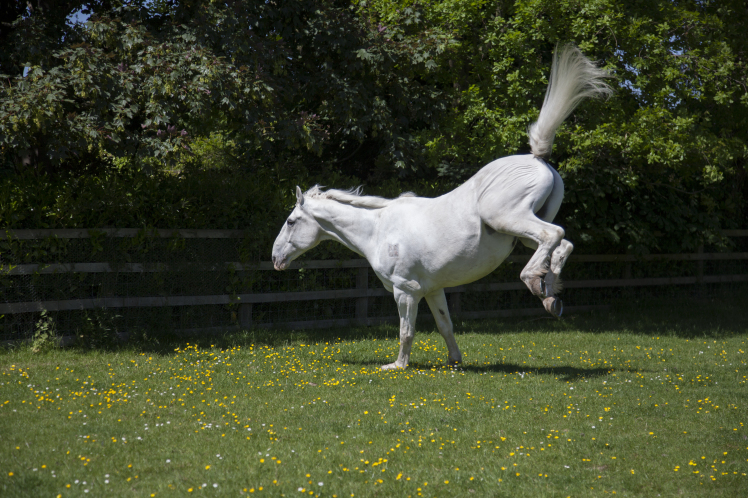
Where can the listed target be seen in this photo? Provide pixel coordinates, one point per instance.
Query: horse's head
(300, 233)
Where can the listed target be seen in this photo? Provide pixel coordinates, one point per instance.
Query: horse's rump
(514, 187)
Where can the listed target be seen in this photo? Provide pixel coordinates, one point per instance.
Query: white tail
(573, 78)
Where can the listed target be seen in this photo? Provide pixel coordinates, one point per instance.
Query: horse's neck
(352, 226)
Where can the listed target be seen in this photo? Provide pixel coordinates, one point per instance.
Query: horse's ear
(299, 197)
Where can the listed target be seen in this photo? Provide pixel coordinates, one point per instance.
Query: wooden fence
(362, 292)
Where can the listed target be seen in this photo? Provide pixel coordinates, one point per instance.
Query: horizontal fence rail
(362, 293)
(85, 233)
(352, 263)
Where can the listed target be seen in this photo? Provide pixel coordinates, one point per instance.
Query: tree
(662, 164)
(43, 22)
(295, 82)
(397, 89)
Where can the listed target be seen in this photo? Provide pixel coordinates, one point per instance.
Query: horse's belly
(474, 263)
(443, 244)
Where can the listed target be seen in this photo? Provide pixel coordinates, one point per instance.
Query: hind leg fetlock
(558, 259)
(536, 283)
(551, 284)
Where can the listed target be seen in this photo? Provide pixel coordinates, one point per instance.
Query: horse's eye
(290, 222)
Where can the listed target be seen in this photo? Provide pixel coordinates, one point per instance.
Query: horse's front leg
(438, 306)
(407, 307)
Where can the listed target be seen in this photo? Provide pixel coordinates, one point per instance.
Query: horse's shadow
(560, 373)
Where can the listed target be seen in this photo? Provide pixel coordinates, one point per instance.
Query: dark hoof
(554, 306)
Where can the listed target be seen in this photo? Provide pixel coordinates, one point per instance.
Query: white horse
(418, 246)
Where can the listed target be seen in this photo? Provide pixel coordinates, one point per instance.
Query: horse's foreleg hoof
(455, 362)
(554, 306)
(393, 366)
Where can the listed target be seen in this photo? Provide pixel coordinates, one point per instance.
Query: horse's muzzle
(280, 263)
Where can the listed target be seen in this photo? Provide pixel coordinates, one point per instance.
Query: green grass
(636, 402)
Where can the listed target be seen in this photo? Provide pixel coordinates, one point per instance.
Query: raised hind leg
(528, 204)
(552, 281)
(545, 238)
(438, 305)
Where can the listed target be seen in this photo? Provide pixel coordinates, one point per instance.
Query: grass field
(642, 401)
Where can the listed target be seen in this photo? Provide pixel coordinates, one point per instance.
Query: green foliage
(121, 92)
(215, 197)
(659, 166)
(221, 199)
(287, 83)
(45, 336)
(96, 330)
(390, 93)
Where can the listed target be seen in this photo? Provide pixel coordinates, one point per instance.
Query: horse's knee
(552, 236)
(407, 334)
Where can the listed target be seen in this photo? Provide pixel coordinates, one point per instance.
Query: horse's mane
(353, 197)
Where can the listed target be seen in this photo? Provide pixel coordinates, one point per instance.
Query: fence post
(362, 303)
(245, 315)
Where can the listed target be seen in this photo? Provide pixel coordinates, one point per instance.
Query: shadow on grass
(561, 373)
